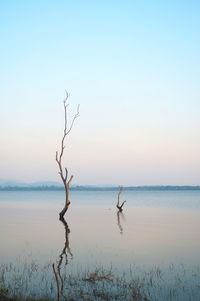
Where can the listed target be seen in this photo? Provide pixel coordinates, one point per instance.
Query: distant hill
(50, 185)
(11, 183)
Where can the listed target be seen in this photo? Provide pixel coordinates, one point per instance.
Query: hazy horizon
(134, 69)
(59, 184)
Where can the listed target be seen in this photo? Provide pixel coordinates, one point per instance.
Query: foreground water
(156, 228)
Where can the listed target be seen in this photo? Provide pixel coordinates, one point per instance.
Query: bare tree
(118, 201)
(64, 172)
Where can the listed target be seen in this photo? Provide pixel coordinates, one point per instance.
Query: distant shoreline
(99, 188)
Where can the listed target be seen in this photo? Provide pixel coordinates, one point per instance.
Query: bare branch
(75, 116)
(66, 174)
(67, 94)
(70, 180)
(123, 204)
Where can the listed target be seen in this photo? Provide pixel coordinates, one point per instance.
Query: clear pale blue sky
(134, 67)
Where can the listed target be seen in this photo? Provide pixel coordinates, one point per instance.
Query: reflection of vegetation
(35, 282)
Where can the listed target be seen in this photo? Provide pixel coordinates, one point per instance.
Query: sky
(133, 66)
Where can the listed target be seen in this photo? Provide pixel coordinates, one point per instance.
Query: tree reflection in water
(119, 216)
(66, 250)
(64, 254)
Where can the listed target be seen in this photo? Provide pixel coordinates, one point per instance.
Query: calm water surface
(155, 228)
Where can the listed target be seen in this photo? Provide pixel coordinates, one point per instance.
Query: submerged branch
(118, 201)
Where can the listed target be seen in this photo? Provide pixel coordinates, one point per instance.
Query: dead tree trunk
(64, 173)
(118, 201)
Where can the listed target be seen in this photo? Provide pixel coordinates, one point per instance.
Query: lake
(156, 228)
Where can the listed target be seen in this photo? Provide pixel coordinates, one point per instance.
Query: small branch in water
(118, 200)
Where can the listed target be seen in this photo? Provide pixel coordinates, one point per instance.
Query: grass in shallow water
(31, 281)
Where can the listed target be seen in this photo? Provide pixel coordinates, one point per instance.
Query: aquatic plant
(32, 281)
